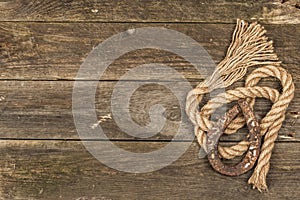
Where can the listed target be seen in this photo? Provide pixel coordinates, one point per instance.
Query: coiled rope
(249, 47)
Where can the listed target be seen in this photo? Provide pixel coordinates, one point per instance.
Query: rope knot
(249, 47)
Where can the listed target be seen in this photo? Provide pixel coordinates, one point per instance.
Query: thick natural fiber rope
(249, 47)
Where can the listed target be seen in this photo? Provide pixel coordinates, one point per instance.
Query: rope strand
(249, 47)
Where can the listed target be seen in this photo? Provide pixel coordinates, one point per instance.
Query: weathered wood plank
(43, 110)
(55, 51)
(54, 170)
(217, 11)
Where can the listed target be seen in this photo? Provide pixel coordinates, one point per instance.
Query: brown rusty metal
(254, 138)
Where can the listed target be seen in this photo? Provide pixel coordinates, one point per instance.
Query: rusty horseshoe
(254, 138)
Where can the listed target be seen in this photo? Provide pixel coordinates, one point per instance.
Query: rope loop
(249, 47)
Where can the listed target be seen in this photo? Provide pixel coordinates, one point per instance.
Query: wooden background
(44, 42)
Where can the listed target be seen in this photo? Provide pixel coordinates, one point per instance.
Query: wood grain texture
(42, 45)
(43, 109)
(55, 51)
(65, 170)
(217, 11)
